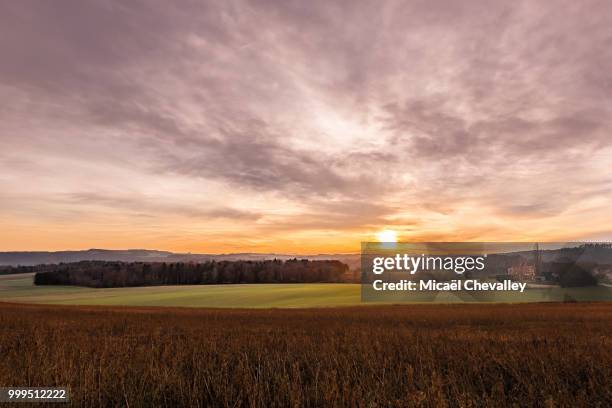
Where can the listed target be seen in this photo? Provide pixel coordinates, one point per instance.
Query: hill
(146, 255)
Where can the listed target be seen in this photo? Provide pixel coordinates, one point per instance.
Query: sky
(303, 126)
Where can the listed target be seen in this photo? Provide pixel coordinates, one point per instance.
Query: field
(421, 355)
(20, 289)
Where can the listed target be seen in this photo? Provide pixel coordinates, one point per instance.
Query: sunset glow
(234, 127)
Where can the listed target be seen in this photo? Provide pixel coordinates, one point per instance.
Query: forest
(102, 274)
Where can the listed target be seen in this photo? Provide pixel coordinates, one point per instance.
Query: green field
(20, 289)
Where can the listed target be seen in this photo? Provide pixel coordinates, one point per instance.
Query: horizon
(552, 246)
(273, 127)
(183, 253)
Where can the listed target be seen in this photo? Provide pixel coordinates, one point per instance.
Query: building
(522, 272)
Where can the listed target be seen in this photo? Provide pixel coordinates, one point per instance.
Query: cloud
(302, 119)
(153, 206)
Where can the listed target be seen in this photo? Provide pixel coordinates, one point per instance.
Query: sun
(386, 236)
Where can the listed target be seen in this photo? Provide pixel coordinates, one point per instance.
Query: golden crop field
(419, 355)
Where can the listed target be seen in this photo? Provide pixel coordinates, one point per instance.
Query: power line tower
(537, 260)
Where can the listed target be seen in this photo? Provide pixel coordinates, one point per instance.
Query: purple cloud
(309, 119)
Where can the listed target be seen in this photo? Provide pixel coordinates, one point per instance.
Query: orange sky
(225, 127)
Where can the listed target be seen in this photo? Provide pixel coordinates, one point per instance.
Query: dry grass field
(420, 355)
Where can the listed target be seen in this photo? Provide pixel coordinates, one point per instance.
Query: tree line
(103, 274)
(9, 269)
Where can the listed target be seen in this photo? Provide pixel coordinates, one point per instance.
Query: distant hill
(581, 254)
(585, 253)
(146, 255)
(37, 258)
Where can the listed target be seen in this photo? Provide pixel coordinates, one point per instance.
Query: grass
(540, 355)
(19, 288)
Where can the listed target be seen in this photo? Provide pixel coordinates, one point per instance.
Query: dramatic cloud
(303, 126)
